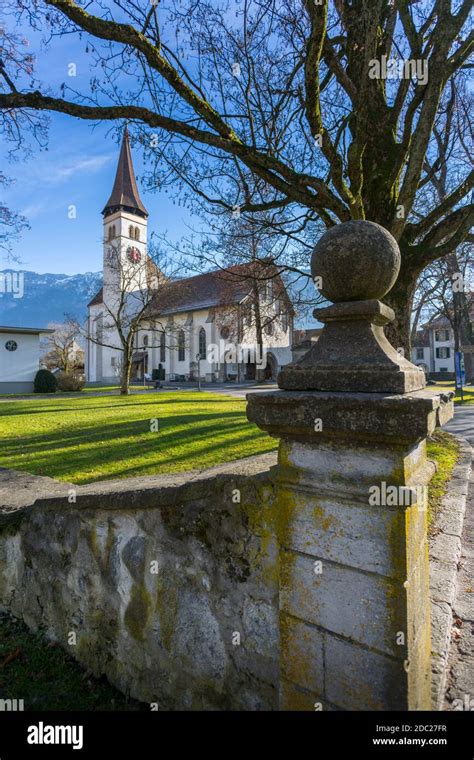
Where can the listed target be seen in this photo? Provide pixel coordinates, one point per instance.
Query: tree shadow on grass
(181, 443)
(89, 433)
(10, 412)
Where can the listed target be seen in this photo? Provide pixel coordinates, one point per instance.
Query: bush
(45, 382)
(71, 381)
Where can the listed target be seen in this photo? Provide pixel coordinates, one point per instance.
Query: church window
(162, 347)
(284, 321)
(145, 340)
(202, 343)
(181, 346)
(130, 232)
(137, 233)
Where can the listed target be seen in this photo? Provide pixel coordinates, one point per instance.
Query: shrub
(45, 382)
(71, 381)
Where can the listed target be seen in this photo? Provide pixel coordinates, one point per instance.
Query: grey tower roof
(125, 193)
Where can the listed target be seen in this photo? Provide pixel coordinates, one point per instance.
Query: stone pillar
(352, 418)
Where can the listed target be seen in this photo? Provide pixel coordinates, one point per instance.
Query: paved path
(240, 391)
(463, 422)
(460, 680)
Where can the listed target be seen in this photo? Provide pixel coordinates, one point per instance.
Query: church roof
(98, 298)
(218, 288)
(125, 193)
(222, 287)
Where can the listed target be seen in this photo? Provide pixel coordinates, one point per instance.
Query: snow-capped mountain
(28, 299)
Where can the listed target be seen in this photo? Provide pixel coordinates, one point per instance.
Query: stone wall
(170, 584)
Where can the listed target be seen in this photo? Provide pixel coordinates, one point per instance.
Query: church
(204, 326)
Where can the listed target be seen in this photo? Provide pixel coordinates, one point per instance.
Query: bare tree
(445, 284)
(315, 112)
(61, 347)
(447, 290)
(133, 285)
(12, 225)
(17, 127)
(254, 261)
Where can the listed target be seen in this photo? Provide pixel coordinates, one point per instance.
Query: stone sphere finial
(356, 261)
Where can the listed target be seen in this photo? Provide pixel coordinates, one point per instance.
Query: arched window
(130, 232)
(145, 340)
(111, 231)
(137, 233)
(162, 347)
(202, 343)
(268, 328)
(181, 341)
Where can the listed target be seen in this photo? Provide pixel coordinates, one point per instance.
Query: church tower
(125, 230)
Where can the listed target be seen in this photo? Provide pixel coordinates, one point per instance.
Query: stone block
(302, 659)
(359, 679)
(363, 537)
(367, 608)
(295, 698)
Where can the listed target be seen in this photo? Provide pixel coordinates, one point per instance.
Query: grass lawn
(468, 391)
(47, 678)
(442, 448)
(87, 389)
(86, 439)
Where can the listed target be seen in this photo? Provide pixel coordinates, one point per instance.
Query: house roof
(437, 322)
(422, 339)
(125, 193)
(25, 330)
(306, 338)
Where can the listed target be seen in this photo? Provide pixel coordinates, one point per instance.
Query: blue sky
(78, 168)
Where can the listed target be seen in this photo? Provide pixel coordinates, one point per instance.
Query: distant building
(421, 351)
(303, 340)
(19, 358)
(49, 358)
(433, 348)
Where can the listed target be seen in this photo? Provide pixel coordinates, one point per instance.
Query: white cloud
(34, 209)
(77, 166)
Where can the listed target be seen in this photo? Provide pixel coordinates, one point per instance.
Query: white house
(206, 323)
(433, 348)
(19, 358)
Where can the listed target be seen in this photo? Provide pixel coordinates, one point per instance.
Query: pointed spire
(125, 193)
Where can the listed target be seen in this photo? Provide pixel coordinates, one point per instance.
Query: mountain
(44, 298)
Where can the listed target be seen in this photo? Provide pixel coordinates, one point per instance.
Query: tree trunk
(126, 370)
(259, 373)
(462, 326)
(400, 299)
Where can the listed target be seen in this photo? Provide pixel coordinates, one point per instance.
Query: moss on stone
(138, 612)
(166, 604)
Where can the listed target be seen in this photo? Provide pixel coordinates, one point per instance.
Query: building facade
(207, 325)
(433, 349)
(19, 358)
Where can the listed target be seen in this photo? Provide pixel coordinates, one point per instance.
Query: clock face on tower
(133, 254)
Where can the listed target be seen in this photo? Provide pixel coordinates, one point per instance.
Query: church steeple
(125, 195)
